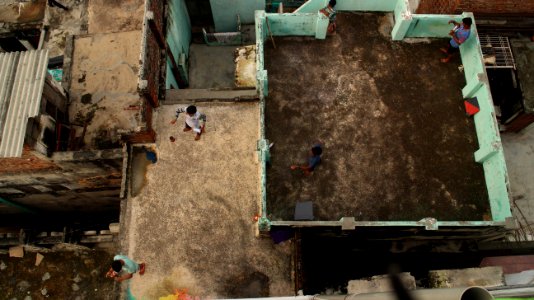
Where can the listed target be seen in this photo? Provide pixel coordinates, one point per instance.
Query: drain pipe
(281, 298)
(42, 38)
(466, 293)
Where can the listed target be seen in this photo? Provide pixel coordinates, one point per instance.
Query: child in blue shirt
(459, 34)
(313, 160)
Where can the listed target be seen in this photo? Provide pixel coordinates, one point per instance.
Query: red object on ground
(142, 268)
(172, 139)
(471, 106)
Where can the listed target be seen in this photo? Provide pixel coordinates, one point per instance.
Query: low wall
(407, 25)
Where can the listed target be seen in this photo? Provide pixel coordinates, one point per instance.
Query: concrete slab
(104, 86)
(379, 284)
(524, 55)
(193, 222)
(484, 277)
(398, 146)
(115, 16)
(211, 67)
(185, 96)
(519, 153)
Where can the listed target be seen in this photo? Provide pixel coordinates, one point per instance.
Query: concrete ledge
(379, 284)
(188, 95)
(87, 155)
(485, 277)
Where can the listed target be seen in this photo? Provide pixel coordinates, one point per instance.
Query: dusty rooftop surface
(73, 274)
(104, 86)
(219, 74)
(105, 66)
(193, 222)
(398, 145)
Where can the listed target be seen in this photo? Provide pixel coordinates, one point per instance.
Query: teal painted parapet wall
(313, 6)
(262, 147)
(407, 25)
(366, 5)
(178, 36)
(261, 35)
(431, 25)
(296, 24)
(490, 153)
(225, 13)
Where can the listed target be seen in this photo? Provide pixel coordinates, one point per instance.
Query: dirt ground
(398, 145)
(78, 274)
(193, 222)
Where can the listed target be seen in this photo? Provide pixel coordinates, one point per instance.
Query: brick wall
(496, 6)
(476, 6)
(437, 6)
(28, 162)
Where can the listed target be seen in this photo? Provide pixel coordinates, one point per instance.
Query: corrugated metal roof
(22, 78)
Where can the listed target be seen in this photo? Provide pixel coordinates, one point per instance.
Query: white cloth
(194, 121)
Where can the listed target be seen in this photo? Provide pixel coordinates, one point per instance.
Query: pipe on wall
(465, 293)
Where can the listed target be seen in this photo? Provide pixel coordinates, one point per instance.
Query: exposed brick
(28, 162)
(476, 6)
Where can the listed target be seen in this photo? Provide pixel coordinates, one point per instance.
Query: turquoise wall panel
(170, 81)
(407, 25)
(403, 20)
(431, 25)
(366, 5)
(490, 149)
(261, 36)
(497, 184)
(293, 24)
(312, 6)
(178, 36)
(225, 13)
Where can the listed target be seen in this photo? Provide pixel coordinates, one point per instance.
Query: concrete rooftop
(193, 222)
(398, 146)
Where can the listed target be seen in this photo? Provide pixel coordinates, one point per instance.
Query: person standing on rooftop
(194, 120)
(330, 12)
(459, 34)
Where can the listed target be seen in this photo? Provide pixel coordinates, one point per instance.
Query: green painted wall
(403, 19)
(170, 81)
(366, 5)
(293, 24)
(349, 5)
(178, 36)
(312, 6)
(490, 152)
(225, 12)
(431, 25)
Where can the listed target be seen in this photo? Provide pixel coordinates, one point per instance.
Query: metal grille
(498, 47)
